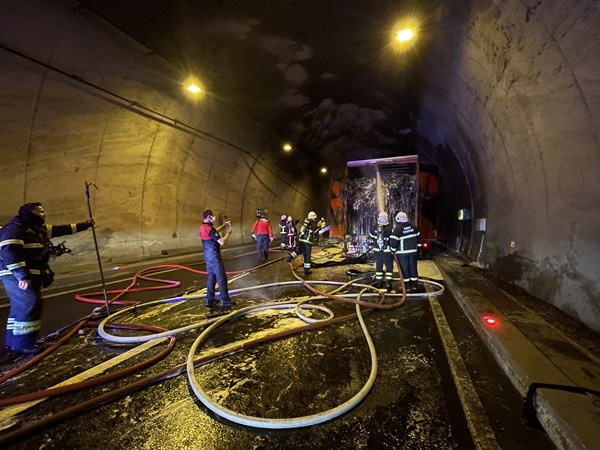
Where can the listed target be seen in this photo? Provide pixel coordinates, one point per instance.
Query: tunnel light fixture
(194, 88)
(287, 147)
(323, 170)
(404, 35)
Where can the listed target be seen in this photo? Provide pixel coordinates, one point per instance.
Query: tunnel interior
(500, 97)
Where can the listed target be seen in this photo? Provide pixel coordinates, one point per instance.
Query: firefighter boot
(290, 257)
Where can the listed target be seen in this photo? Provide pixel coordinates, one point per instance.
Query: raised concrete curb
(530, 350)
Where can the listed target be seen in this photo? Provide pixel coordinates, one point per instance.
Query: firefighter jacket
(405, 239)
(210, 242)
(262, 226)
(25, 248)
(290, 228)
(309, 232)
(283, 227)
(380, 238)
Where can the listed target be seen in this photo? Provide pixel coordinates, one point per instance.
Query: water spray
(379, 187)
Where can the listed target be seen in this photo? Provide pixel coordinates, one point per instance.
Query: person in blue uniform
(283, 232)
(211, 243)
(384, 258)
(292, 233)
(309, 233)
(405, 241)
(24, 255)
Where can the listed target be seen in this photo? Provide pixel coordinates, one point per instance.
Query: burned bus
(394, 184)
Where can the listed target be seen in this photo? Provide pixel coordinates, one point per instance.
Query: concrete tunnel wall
(508, 110)
(106, 120)
(511, 91)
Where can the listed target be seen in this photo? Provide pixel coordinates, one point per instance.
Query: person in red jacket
(211, 245)
(263, 233)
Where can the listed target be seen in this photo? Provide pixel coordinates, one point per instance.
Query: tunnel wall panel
(512, 93)
(84, 102)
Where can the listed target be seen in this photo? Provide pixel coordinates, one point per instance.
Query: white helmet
(401, 217)
(382, 218)
(312, 215)
(289, 218)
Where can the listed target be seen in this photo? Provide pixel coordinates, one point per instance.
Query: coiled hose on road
(191, 363)
(302, 421)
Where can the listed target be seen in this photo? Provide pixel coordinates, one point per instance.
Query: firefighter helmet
(401, 217)
(312, 215)
(283, 217)
(382, 218)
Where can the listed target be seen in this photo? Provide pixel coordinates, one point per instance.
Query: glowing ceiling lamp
(404, 35)
(287, 147)
(194, 88)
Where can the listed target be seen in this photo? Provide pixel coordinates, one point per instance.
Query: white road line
(477, 420)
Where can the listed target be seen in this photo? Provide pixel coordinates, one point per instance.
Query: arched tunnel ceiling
(321, 74)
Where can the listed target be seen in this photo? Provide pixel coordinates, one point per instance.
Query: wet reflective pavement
(413, 403)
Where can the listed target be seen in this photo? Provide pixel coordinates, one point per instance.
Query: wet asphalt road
(413, 404)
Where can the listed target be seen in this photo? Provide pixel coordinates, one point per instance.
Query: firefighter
(380, 242)
(283, 227)
(211, 243)
(320, 225)
(309, 233)
(262, 232)
(405, 241)
(292, 233)
(24, 255)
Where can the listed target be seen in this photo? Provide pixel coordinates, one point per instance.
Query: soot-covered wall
(510, 108)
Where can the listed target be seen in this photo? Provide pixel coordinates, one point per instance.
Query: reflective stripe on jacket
(405, 239)
(25, 251)
(308, 230)
(380, 239)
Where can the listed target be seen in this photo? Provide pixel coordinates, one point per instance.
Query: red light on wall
(425, 244)
(490, 321)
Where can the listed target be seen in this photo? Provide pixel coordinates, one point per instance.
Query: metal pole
(87, 198)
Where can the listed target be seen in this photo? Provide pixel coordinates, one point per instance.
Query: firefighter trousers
(384, 259)
(306, 250)
(408, 264)
(24, 316)
(262, 247)
(216, 274)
